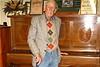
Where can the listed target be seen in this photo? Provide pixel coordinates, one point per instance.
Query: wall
(0, 11)
(98, 7)
(3, 17)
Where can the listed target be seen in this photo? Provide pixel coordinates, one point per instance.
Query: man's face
(50, 9)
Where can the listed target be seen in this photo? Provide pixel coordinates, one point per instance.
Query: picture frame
(88, 7)
(73, 5)
(36, 7)
(27, 7)
(44, 5)
(98, 7)
(67, 3)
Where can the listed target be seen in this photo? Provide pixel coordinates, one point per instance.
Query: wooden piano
(79, 37)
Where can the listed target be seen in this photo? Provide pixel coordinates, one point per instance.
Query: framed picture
(68, 5)
(36, 7)
(98, 7)
(88, 7)
(27, 7)
(44, 5)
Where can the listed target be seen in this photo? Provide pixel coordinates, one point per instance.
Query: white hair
(53, 1)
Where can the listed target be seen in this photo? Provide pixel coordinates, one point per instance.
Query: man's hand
(38, 58)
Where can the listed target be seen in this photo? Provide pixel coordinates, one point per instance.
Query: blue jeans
(50, 59)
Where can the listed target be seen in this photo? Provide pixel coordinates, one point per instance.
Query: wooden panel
(5, 42)
(79, 37)
(81, 61)
(76, 32)
(19, 59)
(65, 13)
(1, 63)
(19, 28)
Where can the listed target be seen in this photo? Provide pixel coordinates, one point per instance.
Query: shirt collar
(52, 18)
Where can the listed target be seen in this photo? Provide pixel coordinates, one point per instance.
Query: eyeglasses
(51, 8)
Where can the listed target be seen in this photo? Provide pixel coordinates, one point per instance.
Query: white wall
(3, 17)
(0, 12)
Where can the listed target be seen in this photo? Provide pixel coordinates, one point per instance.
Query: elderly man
(43, 37)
